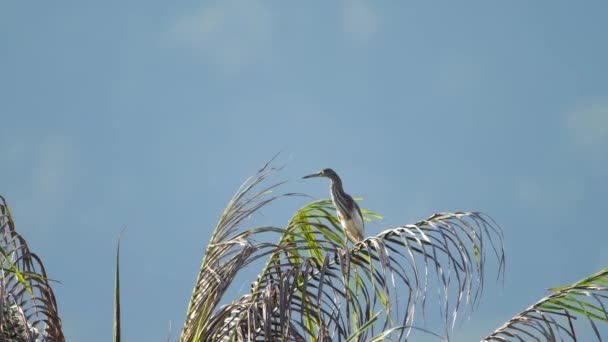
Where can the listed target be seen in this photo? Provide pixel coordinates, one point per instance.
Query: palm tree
(314, 288)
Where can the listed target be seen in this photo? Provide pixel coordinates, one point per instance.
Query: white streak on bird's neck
(336, 186)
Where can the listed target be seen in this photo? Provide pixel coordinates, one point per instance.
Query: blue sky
(148, 115)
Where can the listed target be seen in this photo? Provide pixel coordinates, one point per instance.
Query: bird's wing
(360, 216)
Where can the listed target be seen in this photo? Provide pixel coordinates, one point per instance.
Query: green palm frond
(306, 257)
(312, 288)
(29, 310)
(557, 316)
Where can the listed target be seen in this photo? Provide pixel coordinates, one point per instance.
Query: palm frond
(301, 259)
(312, 288)
(116, 332)
(559, 315)
(315, 288)
(29, 310)
(230, 249)
(447, 251)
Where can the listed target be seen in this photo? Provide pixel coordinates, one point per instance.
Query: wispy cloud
(46, 166)
(542, 194)
(52, 165)
(587, 126)
(230, 34)
(359, 19)
(529, 192)
(459, 75)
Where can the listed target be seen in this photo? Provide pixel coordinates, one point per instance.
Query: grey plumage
(348, 211)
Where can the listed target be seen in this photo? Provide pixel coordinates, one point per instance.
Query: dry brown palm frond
(29, 310)
(230, 249)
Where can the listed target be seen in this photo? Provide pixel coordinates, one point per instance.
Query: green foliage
(555, 316)
(315, 287)
(28, 308)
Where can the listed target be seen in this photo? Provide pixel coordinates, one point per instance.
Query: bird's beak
(318, 174)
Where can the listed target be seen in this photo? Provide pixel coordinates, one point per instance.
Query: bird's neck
(336, 186)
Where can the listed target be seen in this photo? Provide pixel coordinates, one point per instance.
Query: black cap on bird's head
(329, 173)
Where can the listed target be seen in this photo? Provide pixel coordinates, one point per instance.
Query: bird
(348, 211)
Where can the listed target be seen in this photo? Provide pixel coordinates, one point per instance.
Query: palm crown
(313, 287)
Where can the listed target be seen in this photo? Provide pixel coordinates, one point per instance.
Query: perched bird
(348, 211)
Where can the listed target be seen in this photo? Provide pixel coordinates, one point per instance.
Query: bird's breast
(353, 226)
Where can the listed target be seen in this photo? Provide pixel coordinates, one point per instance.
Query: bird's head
(328, 173)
